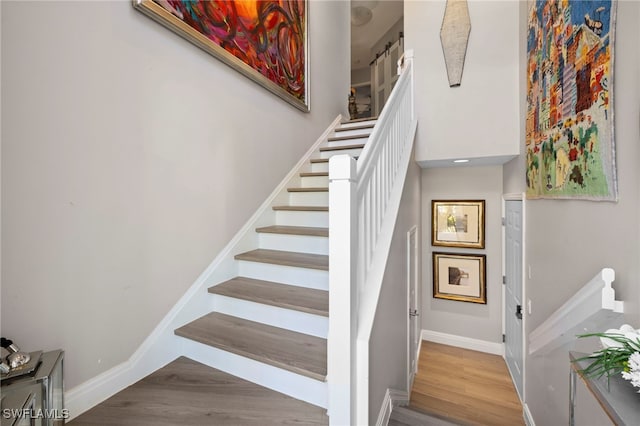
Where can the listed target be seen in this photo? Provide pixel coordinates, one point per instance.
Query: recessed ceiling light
(460, 161)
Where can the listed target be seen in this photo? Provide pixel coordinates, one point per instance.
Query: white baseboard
(392, 398)
(463, 342)
(526, 414)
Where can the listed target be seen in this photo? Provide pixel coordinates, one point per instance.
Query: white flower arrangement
(620, 353)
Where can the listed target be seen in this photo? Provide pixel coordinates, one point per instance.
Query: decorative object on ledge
(615, 395)
(590, 308)
(620, 354)
(569, 126)
(460, 277)
(457, 223)
(454, 36)
(266, 41)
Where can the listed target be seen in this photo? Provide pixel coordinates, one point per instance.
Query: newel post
(342, 289)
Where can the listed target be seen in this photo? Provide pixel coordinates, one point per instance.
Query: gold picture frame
(460, 277)
(457, 223)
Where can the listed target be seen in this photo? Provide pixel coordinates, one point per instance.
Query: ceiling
(384, 13)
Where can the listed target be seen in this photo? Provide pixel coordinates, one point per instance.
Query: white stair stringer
(301, 322)
(286, 382)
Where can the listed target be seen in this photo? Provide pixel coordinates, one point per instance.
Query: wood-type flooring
(465, 386)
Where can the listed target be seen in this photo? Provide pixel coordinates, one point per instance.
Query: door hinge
(504, 339)
(504, 222)
(504, 279)
(413, 312)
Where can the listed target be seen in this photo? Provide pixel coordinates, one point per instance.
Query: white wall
(388, 344)
(470, 320)
(129, 159)
(567, 242)
(479, 118)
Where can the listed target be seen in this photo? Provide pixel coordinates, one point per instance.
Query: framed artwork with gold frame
(457, 223)
(460, 277)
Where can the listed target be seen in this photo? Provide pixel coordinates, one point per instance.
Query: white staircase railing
(363, 204)
(590, 307)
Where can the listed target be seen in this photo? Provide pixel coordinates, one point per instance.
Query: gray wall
(568, 242)
(476, 321)
(388, 344)
(479, 118)
(130, 158)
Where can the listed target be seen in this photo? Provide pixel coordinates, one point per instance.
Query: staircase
(270, 321)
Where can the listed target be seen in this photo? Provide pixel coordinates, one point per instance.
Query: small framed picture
(457, 223)
(460, 277)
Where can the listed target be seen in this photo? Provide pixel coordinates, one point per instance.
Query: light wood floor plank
(188, 393)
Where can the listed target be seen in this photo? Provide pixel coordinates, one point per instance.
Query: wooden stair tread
(186, 392)
(302, 208)
(346, 138)
(319, 160)
(287, 258)
(358, 120)
(295, 230)
(325, 160)
(285, 296)
(314, 174)
(295, 352)
(363, 127)
(309, 189)
(341, 148)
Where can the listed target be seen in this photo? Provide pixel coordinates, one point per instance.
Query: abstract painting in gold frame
(266, 40)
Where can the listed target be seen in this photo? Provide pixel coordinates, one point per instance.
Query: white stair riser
(351, 152)
(297, 243)
(355, 132)
(314, 181)
(309, 198)
(301, 322)
(336, 144)
(302, 277)
(292, 384)
(302, 218)
(319, 167)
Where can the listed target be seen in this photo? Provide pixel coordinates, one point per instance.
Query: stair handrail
(591, 306)
(364, 199)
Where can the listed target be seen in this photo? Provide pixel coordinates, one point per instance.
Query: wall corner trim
(392, 398)
(494, 348)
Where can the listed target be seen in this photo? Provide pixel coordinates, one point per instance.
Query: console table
(618, 398)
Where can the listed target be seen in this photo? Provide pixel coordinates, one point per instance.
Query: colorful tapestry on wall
(569, 129)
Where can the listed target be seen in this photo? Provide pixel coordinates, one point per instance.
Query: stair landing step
(287, 258)
(295, 352)
(186, 392)
(295, 230)
(285, 296)
(358, 120)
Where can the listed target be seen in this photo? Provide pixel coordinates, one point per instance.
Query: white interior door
(513, 292)
(412, 290)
